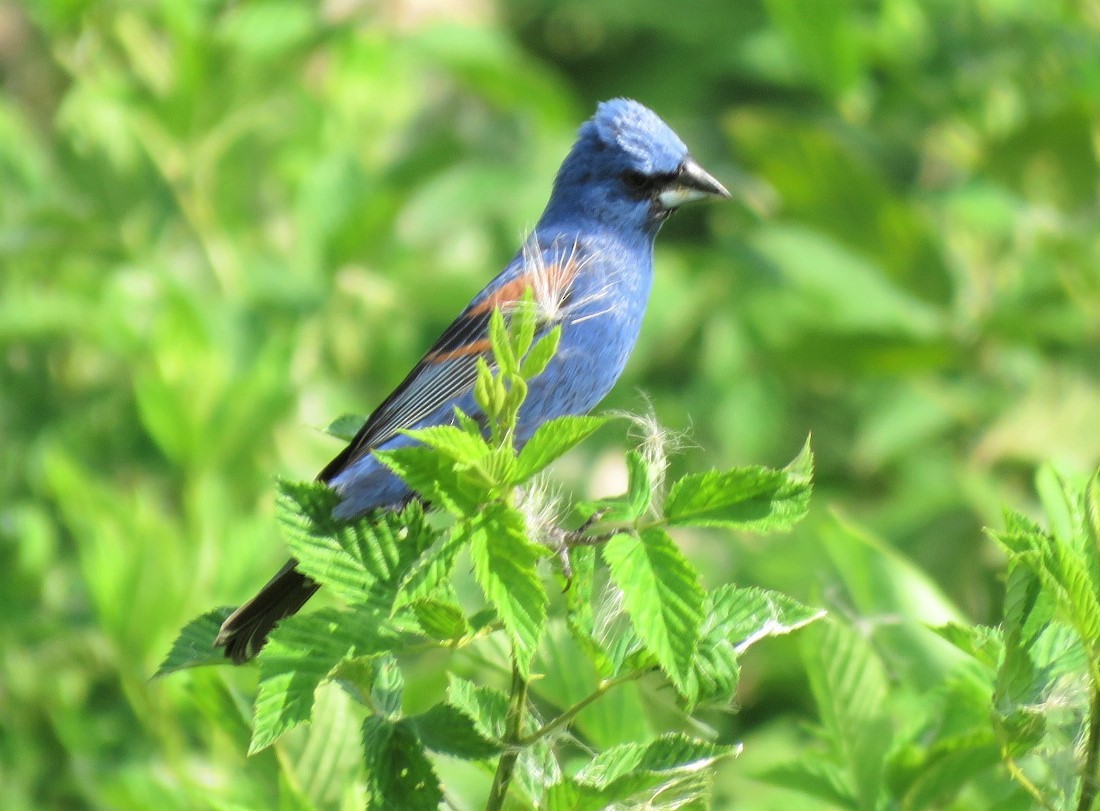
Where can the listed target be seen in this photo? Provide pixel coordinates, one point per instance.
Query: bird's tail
(246, 629)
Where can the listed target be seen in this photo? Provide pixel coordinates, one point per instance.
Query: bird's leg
(566, 539)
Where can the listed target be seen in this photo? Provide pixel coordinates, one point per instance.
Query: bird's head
(628, 169)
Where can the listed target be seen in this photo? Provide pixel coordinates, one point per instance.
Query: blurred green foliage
(222, 224)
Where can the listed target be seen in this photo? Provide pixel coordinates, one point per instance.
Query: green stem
(1092, 754)
(571, 713)
(1018, 775)
(517, 707)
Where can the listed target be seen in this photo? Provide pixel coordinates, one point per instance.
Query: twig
(572, 712)
(1092, 754)
(517, 707)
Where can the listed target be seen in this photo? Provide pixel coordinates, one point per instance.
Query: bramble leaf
(662, 595)
(399, 774)
(194, 647)
(505, 564)
(753, 498)
(552, 439)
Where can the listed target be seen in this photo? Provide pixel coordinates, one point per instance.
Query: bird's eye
(636, 181)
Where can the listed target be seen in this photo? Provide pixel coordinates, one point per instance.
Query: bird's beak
(692, 182)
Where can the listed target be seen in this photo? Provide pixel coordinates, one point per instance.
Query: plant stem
(571, 713)
(1018, 775)
(1092, 754)
(517, 707)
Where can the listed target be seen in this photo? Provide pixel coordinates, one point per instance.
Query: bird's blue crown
(650, 145)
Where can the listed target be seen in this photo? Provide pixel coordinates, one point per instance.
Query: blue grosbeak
(589, 265)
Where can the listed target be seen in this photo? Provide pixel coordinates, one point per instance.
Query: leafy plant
(1023, 698)
(635, 609)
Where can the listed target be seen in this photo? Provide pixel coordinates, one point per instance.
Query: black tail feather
(244, 633)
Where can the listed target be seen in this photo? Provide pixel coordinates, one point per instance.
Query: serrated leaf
(399, 774)
(388, 687)
(355, 676)
(630, 767)
(447, 730)
(662, 595)
(750, 614)
(363, 560)
(848, 682)
(437, 478)
(536, 768)
(440, 619)
(505, 565)
(427, 573)
(552, 439)
(1067, 575)
(737, 618)
(486, 707)
(1059, 503)
(194, 647)
(984, 643)
(750, 498)
(452, 441)
(330, 753)
(579, 600)
(346, 426)
(303, 651)
(1091, 509)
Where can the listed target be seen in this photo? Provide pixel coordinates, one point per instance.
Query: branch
(517, 707)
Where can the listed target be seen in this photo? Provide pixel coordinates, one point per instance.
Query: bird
(588, 264)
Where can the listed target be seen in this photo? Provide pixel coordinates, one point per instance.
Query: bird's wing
(449, 368)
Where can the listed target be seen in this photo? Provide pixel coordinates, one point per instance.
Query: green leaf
(751, 498)
(536, 361)
(303, 651)
(848, 682)
(399, 774)
(1091, 508)
(502, 346)
(941, 778)
(737, 618)
(366, 560)
(552, 439)
(453, 442)
(580, 596)
(624, 770)
(425, 575)
(330, 752)
(436, 478)
(388, 687)
(639, 490)
(662, 595)
(984, 643)
(346, 426)
(505, 564)
(813, 775)
(194, 647)
(440, 619)
(750, 614)
(486, 707)
(447, 730)
(521, 325)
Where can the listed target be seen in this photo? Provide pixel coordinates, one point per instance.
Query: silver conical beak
(692, 183)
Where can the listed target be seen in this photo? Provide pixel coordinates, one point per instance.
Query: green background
(224, 224)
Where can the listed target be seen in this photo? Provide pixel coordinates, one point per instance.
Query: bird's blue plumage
(601, 231)
(589, 262)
